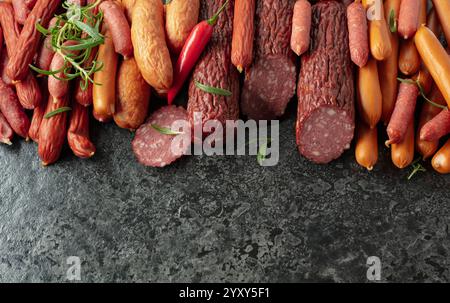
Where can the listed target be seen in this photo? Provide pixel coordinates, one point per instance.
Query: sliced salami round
(165, 137)
(269, 86)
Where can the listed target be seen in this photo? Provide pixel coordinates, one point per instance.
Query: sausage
(181, 17)
(215, 69)
(366, 150)
(403, 113)
(428, 112)
(243, 34)
(357, 33)
(6, 132)
(437, 127)
(52, 132)
(380, 44)
(28, 92)
(118, 26)
(409, 58)
(435, 59)
(13, 111)
(443, 8)
(402, 153)
(3, 64)
(153, 148)
(45, 54)
(301, 27)
(441, 160)
(388, 69)
(84, 96)
(104, 95)
(149, 41)
(408, 19)
(57, 85)
(369, 94)
(78, 133)
(21, 11)
(38, 115)
(29, 39)
(133, 96)
(269, 84)
(325, 115)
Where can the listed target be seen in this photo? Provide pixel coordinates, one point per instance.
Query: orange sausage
(428, 112)
(301, 26)
(380, 44)
(366, 150)
(441, 160)
(435, 58)
(104, 95)
(443, 9)
(369, 94)
(388, 69)
(409, 58)
(402, 154)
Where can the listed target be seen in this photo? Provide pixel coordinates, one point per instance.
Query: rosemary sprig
(421, 91)
(392, 22)
(78, 24)
(213, 90)
(417, 167)
(165, 130)
(57, 112)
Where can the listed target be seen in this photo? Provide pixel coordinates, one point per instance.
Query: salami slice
(325, 120)
(153, 146)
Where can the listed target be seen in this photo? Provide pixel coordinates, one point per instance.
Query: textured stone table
(218, 218)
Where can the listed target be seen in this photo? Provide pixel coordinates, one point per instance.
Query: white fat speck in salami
(156, 149)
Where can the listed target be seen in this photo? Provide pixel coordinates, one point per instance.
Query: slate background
(218, 219)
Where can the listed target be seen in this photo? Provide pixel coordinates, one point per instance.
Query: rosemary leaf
(213, 90)
(165, 130)
(57, 112)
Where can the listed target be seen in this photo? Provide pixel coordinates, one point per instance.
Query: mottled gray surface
(217, 219)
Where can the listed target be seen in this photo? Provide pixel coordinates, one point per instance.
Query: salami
(216, 70)
(325, 120)
(270, 82)
(157, 149)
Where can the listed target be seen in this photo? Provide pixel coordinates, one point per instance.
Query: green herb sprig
(422, 92)
(392, 22)
(213, 90)
(57, 112)
(166, 130)
(78, 24)
(417, 167)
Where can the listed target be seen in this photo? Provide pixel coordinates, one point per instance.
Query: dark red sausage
(38, 113)
(13, 111)
(403, 113)
(78, 133)
(437, 127)
(358, 33)
(6, 132)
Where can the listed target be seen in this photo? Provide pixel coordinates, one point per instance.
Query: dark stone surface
(214, 219)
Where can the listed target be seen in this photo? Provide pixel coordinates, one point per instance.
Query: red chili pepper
(192, 49)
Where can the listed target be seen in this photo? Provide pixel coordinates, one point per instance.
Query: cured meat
(270, 82)
(157, 149)
(216, 70)
(325, 120)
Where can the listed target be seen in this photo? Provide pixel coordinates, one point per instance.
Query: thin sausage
(301, 26)
(357, 33)
(402, 153)
(28, 92)
(57, 85)
(435, 58)
(366, 150)
(104, 95)
(443, 8)
(21, 11)
(13, 111)
(388, 69)
(45, 54)
(403, 112)
(118, 26)
(380, 44)
(6, 132)
(408, 19)
(437, 127)
(78, 133)
(441, 160)
(3, 64)
(38, 115)
(428, 112)
(369, 94)
(409, 58)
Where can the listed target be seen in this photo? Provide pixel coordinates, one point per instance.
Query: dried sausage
(358, 33)
(301, 26)
(78, 133)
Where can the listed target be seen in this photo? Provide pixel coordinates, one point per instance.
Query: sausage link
(428, 112)
(45, 54)
(29, 39)
(357, 33)
(301, 26)
(437, 127)
(78, 133)
(402, 153)
(388, 69)
(441, 160)
(380, 44)
(118, 26)
(408, 19)
(28, 92)
(57, 85)
(21, 11)
(104, 95)
(3, 64)
(52, 132)
(13, 111)
(38, 115)
(366, 150)
(443, 8)
(369, 94)
(133, 96)
(6, 132)
(435, 59)
(403, 113)
(182, 16)
(409, 58)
